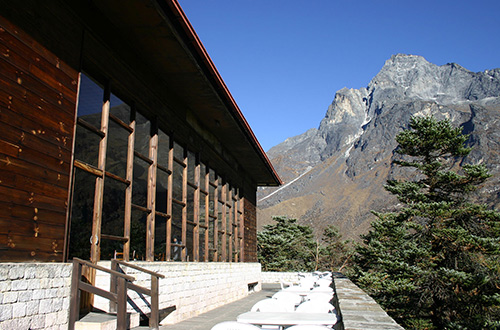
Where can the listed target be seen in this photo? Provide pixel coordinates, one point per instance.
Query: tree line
(434, 262)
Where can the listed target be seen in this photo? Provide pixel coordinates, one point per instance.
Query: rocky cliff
(335, 174)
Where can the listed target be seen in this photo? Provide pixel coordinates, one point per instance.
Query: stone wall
(34, 295)
(189, 288)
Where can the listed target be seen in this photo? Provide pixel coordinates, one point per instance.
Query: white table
(287, 318)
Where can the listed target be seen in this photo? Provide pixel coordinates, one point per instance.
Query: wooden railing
(119, 297)
(154, 317)
(120, 283)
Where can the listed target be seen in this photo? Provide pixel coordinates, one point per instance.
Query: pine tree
(435, 263)
(286, 246)
(335, 253)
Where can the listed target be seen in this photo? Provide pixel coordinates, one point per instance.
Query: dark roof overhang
(160, 30)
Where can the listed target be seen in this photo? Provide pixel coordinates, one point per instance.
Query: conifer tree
(286, 246)
(435, 263)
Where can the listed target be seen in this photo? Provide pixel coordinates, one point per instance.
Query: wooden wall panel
(38, 95)
(250, 230)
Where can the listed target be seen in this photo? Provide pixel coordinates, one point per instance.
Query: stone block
(32, 307)
(24, 296)
(16, 272)
(30, 272)
(46, 306)
(37, 322)
(9, 297)
(5, 312)
(18, 310)
(50, 319)
(38, 294)
(18, 285)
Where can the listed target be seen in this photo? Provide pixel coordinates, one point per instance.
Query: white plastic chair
(307, 282)
(326, 289)
(233, 325)
(272, 305)
(288, 297)
(321, 296)
(308, 327)
(315, 306)
(324, 282)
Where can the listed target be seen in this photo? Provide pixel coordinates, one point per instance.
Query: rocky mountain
(335, 174)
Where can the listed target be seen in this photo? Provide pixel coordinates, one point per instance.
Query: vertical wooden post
(223, 199)
(216, 218)
(154, 320)
(99, 185)
(229, 227)
(207, 212)
(74, 307)
(169, 197)
(95, 239)
(128, 191)
(151, 200)
(196, 210)
(121, 313)
(242, 228)
(113, 285)
(184, 206)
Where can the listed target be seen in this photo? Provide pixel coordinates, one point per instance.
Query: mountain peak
(335, 174)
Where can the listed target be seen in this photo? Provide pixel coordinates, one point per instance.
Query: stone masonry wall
(188, 289)
(34, 295)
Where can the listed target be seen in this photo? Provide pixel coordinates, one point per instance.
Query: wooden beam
(196, 210)
(128, 191)
(207, 212)
(184, 200)
(151, 198)
(216, 220)
(169, 198)
(223, 222)
(230, 225)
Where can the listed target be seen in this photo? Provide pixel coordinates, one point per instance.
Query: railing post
(121, 314)
(154, 321)
(113, 285)
(74, 309)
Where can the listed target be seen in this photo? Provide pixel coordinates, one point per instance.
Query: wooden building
(118, 138)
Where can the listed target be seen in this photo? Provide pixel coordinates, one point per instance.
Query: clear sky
(283, 60)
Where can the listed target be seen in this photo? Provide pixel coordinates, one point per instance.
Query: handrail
(117, 296)
(144, 270)
(154, 319)
(110, 271)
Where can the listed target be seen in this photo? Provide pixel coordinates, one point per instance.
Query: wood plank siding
(37, 112)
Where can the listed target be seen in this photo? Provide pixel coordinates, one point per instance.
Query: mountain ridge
(350, 154)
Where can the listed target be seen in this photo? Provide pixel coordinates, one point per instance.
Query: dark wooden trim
(144, 158)
(121, 123)
(141, 208)
(90, 127)
(114, 238)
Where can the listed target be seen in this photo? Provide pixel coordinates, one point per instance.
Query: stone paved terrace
(357, 309)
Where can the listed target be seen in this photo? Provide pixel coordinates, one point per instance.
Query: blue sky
(283, 60)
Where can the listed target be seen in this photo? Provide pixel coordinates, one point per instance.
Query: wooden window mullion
(151, 198)
(207, 212)
(223, 223)
(128, 191)
(99, 183)
(184, 207)
(229, 227)
(196, 211)
(170, 179)
(216, 218)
